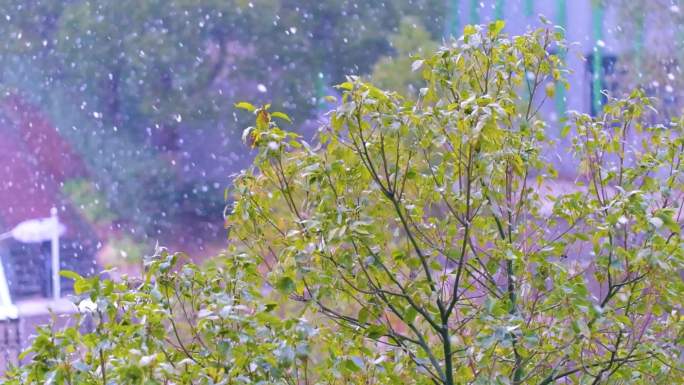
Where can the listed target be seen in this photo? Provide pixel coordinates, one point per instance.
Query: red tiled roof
(42, 140)
(34, 161)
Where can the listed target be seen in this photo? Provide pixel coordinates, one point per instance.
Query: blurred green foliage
(392, 72)
(125, 78)
(91, 203)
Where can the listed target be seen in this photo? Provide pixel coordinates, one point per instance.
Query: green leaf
(24, 354)
(666, 216)
(285, 285)
(363, 315)
(469, 30)
(81, 286)
(496, 27)
(351, 365)
(565, 130)
(263, 119)
(70, 274)
(347, 86)
(410, 314)
(376, 331)
(245, 106)
(281, 115)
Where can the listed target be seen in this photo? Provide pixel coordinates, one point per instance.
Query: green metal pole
(451, 25)
(499, 10)
(597, 81)
(529, 7)
(562, 21)
(639, 41)
(680, 32)
(320, 84)
(474, 12)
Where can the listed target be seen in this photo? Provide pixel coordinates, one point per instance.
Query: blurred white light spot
(293, 30)
(97, 115)
(669, 88)
(37, 230)
(261, 88)
(671, 76)
(674, 8)
(178, 118)
(87, 306)
(600, 43)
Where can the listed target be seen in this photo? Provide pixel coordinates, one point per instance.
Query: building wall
(590, 30)
(588, 27)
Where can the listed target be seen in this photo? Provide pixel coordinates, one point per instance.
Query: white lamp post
(56, 289)
(41, 230)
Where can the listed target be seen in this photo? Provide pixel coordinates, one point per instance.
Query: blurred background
(120, 115)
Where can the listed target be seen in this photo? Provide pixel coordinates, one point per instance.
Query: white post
(5, 298)
(55, 255)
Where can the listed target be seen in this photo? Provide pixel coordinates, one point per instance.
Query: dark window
(607, 76)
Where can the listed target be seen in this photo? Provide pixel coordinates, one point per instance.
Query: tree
(390, 71)
(416, 236)
(425, 225)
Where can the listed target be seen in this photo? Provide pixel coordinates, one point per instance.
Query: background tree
(411, 41)
(127, 81)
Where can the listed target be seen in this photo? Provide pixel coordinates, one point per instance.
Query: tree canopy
(424, 241)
